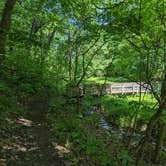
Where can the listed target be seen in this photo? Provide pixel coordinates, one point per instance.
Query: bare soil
(27, 140)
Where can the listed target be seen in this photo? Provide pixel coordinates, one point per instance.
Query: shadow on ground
(28, 141)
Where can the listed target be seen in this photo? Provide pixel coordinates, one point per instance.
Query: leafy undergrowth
(74, 134)
(121, 109)
(87, 142)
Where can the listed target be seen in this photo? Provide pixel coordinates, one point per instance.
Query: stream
(121, 132)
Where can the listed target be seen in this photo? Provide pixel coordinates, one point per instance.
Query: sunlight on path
(30, 142)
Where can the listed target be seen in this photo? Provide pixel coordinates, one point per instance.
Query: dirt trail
(30, 143)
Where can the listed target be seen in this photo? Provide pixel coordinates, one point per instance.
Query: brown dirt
(27, 140)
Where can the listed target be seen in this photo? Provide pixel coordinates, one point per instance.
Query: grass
(122, 108)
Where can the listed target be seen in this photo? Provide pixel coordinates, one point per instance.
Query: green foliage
(52, 45)
(101, 80)
(121, 109)
(84, 145)
(125, 158)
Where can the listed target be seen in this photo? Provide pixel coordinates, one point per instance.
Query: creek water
(120, 132)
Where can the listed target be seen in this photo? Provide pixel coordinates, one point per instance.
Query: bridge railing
(126, 88)
(117, 88)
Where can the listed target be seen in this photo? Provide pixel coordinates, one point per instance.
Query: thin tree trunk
(76, 63)
(88, 63)
(4, 26)
(70, 56)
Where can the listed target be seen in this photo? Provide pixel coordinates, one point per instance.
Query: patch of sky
(73, 21)
(104, 19)
(52, 6)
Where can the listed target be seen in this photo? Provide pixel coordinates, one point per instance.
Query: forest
(82, 83)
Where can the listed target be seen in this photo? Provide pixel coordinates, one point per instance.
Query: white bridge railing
(117, 88)
(124, 88)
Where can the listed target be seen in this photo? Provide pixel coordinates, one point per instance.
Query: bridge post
(111, 89)
(122, 89)
(132, 89)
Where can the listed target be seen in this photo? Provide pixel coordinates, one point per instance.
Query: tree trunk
(160, 140)
(152, 122)
(70, 56)
(76, 64)
(4, 26)
(145, 140)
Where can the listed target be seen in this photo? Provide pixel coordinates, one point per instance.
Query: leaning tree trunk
(154, 119)
(160, 140)
(146, 139)
(4, 26)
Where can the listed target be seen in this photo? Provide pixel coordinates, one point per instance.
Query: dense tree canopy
(55, 46)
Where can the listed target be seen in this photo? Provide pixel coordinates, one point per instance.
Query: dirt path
(28, 140)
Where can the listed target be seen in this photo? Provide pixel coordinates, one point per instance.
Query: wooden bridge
(116, 88)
